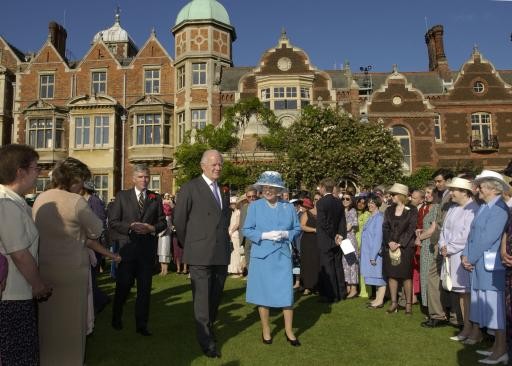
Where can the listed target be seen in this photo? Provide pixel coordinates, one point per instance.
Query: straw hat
(460, 183)
(491, 175)
(398, 188)
(241, 199)
(270, 178)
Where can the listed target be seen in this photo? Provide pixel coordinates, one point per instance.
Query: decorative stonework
(199, 39)
(181, 43)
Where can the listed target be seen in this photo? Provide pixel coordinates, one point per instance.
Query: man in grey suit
(202, 216)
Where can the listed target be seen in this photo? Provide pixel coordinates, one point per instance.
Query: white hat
(270, 178)
(491, 175)
(399, 189)
(233, 199)
(460, 183)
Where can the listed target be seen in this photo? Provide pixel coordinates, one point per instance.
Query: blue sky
(372, 32)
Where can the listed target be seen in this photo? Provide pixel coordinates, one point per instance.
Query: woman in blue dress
(371, 245)
(271, 225)
(487, 308)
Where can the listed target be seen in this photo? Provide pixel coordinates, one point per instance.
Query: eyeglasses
(347, 199)
(250, 196)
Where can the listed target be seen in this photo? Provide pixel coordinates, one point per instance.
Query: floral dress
(508, 289)
(351, 271)
(427, 252)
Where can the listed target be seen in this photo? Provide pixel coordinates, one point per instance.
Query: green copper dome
(203, 9)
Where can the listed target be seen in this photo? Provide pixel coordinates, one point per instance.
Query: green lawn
(345, 333)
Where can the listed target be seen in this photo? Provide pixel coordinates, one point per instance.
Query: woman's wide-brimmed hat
(491, 175)
(398, 188)
(307, 203)
(460, 183)
(270, 178)
(232, 199)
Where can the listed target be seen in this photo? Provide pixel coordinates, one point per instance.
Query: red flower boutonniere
(152, 196)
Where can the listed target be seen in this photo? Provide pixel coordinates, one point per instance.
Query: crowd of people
(446, 247)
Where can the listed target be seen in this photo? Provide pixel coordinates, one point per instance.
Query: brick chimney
(58, 36)
(437, 60)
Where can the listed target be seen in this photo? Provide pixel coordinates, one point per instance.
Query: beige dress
(64, 221)
(235, 263)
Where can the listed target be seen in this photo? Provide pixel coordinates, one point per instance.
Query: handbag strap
(447, 264)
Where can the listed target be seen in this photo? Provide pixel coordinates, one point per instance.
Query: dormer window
(99, 82)
(152, 81)
(46, 86)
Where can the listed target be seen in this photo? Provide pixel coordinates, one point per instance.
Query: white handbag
(490, 262)
(446, 279)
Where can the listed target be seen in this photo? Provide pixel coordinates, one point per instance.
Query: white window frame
(101, 130)
(198, 118)
(146, 127)
(99, 86)
(82, 131)
(481, 126)
(46, 86)
(101, 186)
(155, 183)
(152, 82)
(199, 75)
(405, 136)
(478, 87)
(438, 135)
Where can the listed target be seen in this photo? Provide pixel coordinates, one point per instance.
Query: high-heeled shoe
(266, 341)
(459, 338)
(294, 342)
(408, 308)
(393, 308)
(483, 352)
(471, 342)
(502, 359)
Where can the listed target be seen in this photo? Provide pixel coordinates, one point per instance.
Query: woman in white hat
(487, 307)
(271, 225)
(452, 240)
(398, 236)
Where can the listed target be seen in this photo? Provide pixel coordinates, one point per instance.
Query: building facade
(121, 104)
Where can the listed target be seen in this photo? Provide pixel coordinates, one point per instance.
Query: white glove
(271, 235)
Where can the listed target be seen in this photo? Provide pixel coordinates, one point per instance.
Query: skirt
(164, 249)
(488, 309)
(19, 345)
(269, 282)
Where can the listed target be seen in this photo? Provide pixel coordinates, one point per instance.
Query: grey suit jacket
(201, 226)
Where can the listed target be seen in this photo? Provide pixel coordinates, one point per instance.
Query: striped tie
(141, 202)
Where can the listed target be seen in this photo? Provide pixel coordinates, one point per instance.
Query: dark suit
(330, 221)
(138, 252)
(202, 228)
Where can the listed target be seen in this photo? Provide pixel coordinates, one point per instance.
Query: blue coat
(485, 234)
(270, 271)
(371, 243)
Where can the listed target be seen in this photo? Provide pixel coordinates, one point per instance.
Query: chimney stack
(437, 60)
(58, 36)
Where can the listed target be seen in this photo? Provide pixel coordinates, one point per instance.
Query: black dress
(310, 256)
(400, 229)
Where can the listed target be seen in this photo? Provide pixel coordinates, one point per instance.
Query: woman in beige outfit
(67, 227)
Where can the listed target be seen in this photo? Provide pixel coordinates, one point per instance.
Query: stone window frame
(101, 181)
(198, 122)
(163, 126)
(483, 85)
(283, 93)
(55, 131)
(154, 82)
(80, 133)
(103, 129)
(438, 131)
(99, 83)
(46, 85)
(199, 74)
(181, 125)
(181, 77)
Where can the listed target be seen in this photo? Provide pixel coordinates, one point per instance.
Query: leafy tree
(419, 179)
(323, 142)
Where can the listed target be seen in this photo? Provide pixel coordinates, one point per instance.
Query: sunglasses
(250, 196)
(347, 199)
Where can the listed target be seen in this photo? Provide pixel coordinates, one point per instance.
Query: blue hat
(270, 178)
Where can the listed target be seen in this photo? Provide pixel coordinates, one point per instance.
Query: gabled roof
(48, 43)
(16, 52)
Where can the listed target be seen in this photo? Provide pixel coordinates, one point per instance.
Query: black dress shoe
(144, 332)
(294, 342)
(434, 323)
(117, 325)
(212, 353)
(326, 300)
(266, 341)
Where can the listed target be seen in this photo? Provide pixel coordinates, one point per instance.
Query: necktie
(216, 194)
(141, 201)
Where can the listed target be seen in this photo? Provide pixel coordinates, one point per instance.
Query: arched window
(481, 127)
(403, 137)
